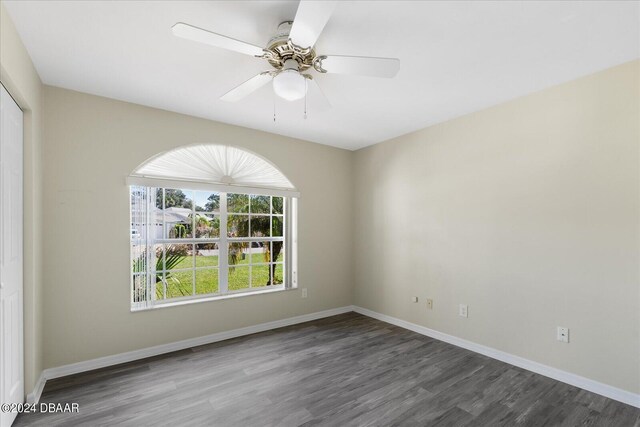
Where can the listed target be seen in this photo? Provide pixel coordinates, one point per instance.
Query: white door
(11, 346)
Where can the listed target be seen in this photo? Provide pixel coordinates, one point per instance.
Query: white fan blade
(190, 32)
(317, 101)
(309, 22)
(248, 87)
(359, 65)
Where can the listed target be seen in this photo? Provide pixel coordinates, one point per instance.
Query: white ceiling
(456, 57)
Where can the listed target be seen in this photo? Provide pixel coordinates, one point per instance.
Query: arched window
(209, 221)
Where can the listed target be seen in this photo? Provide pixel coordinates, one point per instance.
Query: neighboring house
(171, 217)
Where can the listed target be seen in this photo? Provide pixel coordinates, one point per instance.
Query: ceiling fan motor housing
(280, 50)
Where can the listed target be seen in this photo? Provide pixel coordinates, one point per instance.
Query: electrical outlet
(563, 334)
(429, 304)
(304, 292)
(463, 310)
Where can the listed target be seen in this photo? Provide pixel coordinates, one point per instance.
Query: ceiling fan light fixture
(289, 84)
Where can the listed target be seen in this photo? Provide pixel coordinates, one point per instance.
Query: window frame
(289, 239)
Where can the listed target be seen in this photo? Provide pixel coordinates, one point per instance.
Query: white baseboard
(557, 374)
(34, 396)
(116, 359)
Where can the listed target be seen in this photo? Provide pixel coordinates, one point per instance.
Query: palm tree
(260, 226)
(174, 255)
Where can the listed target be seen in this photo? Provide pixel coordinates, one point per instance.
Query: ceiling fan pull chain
(306, 87)
(274, 108)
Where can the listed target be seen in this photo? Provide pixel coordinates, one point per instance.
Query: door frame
(8, 418)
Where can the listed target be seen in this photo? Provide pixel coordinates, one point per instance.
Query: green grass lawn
(180, 283)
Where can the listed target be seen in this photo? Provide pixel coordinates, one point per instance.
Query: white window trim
(213, 297)
(148, 181)
(290, 213)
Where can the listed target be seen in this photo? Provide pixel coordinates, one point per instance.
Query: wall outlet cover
(463, 310)
(563, 334)
(429, 304)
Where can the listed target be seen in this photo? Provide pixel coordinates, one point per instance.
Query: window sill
(212, 298)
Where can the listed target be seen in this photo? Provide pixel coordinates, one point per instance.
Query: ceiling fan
(291, 54)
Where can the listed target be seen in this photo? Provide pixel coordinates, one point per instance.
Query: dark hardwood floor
(347, 370)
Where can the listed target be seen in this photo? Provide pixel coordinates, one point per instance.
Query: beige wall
(528, 212)
(92, 144)
(21, 80)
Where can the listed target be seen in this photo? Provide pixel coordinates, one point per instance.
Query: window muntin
(188, 244)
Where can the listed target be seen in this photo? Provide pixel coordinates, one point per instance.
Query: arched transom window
(208, 222)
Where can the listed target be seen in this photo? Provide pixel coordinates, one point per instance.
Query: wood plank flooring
(346, 370)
